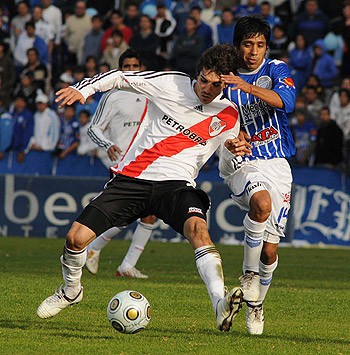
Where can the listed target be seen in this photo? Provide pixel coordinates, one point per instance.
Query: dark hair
(33, 49)
(117, 33)
(84, 112)
(128, 53)
(326, 108)
(346, 91)
(250, 26)
(220, 59)
(29, 24)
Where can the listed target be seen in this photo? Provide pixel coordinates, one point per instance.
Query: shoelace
(57, 296)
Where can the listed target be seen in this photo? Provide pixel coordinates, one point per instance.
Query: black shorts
(126, 199)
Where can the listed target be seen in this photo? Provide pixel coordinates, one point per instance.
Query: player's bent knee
(269, 253)
(260, 206)
(79, 236)
(196, 231)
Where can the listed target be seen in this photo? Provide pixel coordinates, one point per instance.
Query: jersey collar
(248, 72)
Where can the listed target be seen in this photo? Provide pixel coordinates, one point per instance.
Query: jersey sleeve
(150, 84)
(100, 121)
(283, 84)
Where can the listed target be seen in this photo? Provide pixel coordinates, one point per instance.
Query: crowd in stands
(46, 45)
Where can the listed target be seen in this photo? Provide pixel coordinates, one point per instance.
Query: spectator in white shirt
(46, 126)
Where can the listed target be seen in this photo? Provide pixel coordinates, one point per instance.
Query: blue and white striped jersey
(268, 126)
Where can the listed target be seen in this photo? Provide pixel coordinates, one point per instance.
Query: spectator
(266, 14)
(4, 36)
(132, 17)
(28, 39)
(26, 88)
(7, 76)
(329, 142)
(345, 31)
(69, 135)
(188, 49)
(23, 124)
(6, 132)
(114, 49)
(53, 16)
(77, 27)
(304, 132)
(90, 66)
(313, 104)
(18, 22)
(90, 105)
(145, 43)
(92, 41)
(300, 62)
(279, 42)
(46, 126)
(324, 67)
(223, 32)
(312, 23)
(334, 103)
(251, 8)
(43, 29)
(165, 25)
(86, 145)
(203, 29)
(341, 115)
(208, 14)
(38, 69)
(117, 24)
(104, 67)
(181, 11)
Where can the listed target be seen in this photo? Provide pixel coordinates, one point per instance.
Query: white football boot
(55, 303)
(92, 260)
(228, 307)
(255, 319)
(132, 272)
(250, 283)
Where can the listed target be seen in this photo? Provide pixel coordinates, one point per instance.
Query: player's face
(208, 86)
(131, 64)
(252, 51)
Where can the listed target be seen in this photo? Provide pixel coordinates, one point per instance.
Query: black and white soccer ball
(129, 312)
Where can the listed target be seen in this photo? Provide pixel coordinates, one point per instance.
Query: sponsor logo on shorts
(265, 136)
(286, 197)
(216, 126)
(195, 210)
(252, 187)
(280, 227)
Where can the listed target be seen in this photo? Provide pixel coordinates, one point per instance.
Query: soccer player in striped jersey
(112, 128)
(188, 120)
(260, 183)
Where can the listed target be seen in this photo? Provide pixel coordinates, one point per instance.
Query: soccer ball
(129, 312)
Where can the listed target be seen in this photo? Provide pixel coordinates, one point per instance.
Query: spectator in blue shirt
(23, 127)
(69, 137)
(251, 8)
(203, 29)
(224, 30)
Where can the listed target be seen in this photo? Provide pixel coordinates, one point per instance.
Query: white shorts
(273, 175)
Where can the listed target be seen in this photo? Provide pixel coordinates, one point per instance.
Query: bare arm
(267, 95)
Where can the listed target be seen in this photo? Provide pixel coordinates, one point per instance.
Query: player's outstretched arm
(68, 96)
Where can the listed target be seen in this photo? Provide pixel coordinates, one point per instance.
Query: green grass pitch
(306, 312)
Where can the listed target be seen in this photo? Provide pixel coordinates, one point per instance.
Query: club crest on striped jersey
(216, 126)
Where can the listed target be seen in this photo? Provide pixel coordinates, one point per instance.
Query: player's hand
(237, 81)
(239, 146)
(69, 96)
(113, 152)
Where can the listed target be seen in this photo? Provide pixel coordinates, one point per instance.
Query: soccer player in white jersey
(112, 128)
(187, 121)
(261, 183)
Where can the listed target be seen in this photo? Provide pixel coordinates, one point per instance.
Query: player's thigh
(177, 207)
(123, 201)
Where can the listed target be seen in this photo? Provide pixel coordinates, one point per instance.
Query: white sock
(253, 243)
(209, 265)
(72, 265)
(139, 239)
(266, 272)
(103, 239)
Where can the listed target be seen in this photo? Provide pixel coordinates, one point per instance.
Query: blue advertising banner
(46, 206)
